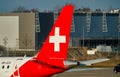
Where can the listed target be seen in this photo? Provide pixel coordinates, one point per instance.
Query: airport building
(88, 29)
(92, 29)
(29, 30)
(44, 25)
(17, 30)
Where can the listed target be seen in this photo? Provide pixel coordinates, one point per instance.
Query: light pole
(83, 36)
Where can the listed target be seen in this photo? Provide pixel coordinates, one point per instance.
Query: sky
(42, 5)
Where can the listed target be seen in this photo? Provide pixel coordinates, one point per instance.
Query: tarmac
(104, 72)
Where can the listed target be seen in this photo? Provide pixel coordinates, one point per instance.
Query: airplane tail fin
(50, 59)
(56, 44)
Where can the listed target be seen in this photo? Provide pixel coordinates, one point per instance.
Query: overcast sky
(9, 5)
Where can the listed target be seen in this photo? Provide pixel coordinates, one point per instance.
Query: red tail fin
(56, 44)
(50, 60)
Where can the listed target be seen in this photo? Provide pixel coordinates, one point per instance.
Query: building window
(37, 28)
(104, 23)
(73, 25)
(37, 22)
(88, 22)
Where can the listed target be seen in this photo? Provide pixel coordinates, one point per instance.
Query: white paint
(57, 39)
(91, 52)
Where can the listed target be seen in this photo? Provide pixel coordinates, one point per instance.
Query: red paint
(48, 62)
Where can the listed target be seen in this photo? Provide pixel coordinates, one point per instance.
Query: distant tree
(5, 41)
(35, 10)
(3, 50)
(26, 42)
(83, 9)
(98, 10)
(78, 10)
(20, 9)
(86, 9)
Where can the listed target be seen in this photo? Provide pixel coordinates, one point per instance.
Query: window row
(4, 67)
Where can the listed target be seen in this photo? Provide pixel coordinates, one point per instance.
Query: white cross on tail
(57, 39)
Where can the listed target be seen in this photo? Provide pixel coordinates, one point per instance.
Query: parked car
(117, 68)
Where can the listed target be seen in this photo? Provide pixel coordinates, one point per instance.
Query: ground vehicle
(117, 68)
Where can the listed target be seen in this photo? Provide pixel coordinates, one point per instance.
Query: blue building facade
(46, 21)
(88, 29)
(95, 28)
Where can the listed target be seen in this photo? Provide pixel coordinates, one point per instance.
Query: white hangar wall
(9, 30)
